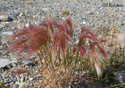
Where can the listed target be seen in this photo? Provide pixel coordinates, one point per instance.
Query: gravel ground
(17, 14)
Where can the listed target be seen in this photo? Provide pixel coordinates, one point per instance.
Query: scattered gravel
(17, 14)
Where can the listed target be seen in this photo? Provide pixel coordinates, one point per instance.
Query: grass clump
(58, 55)
(65, 12)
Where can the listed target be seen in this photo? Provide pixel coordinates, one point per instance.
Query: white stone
(120, 76)
(7, 33)
(83, 22)
(28, 24)
(4, 62)
(45, 9)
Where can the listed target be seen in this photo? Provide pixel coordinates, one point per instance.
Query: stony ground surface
(17, 14)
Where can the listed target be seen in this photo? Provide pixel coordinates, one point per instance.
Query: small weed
(65, 12)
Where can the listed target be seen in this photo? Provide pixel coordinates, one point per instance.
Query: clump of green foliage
(65, 12)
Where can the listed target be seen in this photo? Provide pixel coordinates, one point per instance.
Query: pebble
(120, 76)
(89, 12)
(14, 14)
(12, 83)
(38, 22)
(34, 57)
(29, 63)
(27, 25)
(5, 62)
(15, 85)
(4, 18)
(1, 26)
(7, 67)
(83, 22)
(7, 33)
(123, 10)
(45, 9)
(21, 14)
(20, 26)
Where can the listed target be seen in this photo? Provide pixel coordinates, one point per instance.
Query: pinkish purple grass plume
(32, 38)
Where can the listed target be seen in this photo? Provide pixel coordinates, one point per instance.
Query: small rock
(83, 22)
(20, 20)
(38, 22)
(14, 14)
(10, 19)
(5, 62)
(77, 41)
(97, 13)
(6, 84)
(16, 85)
(120, 76)
(21, 14)
(122, 24)
(123, 10)
(20, 26)
(82, 75)
(7, 67)
(29, 63)
(2, 26)
(89, 12)
(9, 6)
(110, 0)
(30, 79)
(12, 83)
(4, 18)
(77, 73)
(45, 9)
(27, 24)
(34, 57)
(4, 23)
(7, 33)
